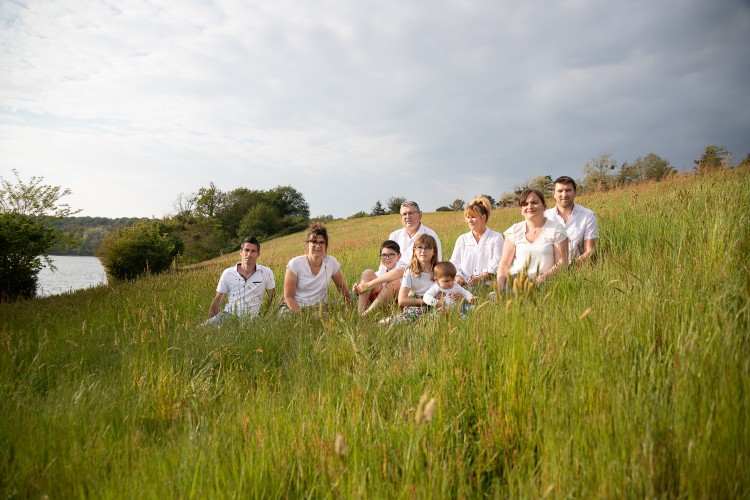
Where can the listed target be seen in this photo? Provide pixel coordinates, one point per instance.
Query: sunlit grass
(628, 376)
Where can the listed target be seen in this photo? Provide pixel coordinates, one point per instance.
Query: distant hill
(88, 232)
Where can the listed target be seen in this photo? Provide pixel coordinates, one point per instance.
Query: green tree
(489, 198)
(27, 212)
(508, 200)
(457, 205)
(713, 158)
(598, 176)
(144, 248)
(209, 201)
(393, 205)
(543, 183)
(444, 209)
(359, 215)
(377, 209)
(628, 174)
(653, 167)
(261, 221)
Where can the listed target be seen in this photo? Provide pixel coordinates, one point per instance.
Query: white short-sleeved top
(417, 284)
(244, 296)
(312, 289)
(582, 225)
(472, 257)
(540, 255)
(406, 243)
(429, 296)
(382, 269)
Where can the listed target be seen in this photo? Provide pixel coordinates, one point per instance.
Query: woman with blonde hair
(477, 253)
(307, 276)
(416, 281)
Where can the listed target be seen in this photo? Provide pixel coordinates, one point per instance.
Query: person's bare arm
(588, 249)
(215, 306)
(290, 287)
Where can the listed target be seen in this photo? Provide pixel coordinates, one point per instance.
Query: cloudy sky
(130, 103)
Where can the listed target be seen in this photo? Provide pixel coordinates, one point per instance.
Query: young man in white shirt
(245, 285)
(580, 223)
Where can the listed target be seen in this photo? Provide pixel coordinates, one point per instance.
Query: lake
(73, 273)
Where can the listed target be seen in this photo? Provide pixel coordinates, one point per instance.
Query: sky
(132, 103)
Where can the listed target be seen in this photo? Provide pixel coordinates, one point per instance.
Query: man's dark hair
(564, 179)
(251, 239)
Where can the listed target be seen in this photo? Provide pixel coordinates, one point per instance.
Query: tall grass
(628, 376)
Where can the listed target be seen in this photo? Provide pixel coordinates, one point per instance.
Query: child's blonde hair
(423, 240)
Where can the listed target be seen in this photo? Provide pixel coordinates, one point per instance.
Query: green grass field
(625, 377)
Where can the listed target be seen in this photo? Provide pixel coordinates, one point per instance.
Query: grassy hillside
(629, 376)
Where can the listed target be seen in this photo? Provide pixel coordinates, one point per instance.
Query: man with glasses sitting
(375, 289)
(411, 218)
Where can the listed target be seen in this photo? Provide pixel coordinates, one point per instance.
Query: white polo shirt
(401, 237)
(244, 296)
(582, 225)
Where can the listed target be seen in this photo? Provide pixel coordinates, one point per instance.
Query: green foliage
(27, 213)
(260, 221)
(145, 248)
(458, 205)
(22, 239)
(393, 205)
(597, 170)
(714, 158)
(625, 377)
(444, 209)
(653, 167)
(543, 183)
(358, 215)
(86, 233)
(377, 209)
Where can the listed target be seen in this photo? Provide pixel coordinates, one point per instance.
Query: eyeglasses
(423, 249)
(320, 243)
(387, 255)
(409, 214)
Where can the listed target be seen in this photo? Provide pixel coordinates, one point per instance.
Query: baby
(445, 283)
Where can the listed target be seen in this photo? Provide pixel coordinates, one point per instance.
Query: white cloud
(354, 102)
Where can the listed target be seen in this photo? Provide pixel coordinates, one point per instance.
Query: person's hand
(475, 279)
(461, 281)
(456, 296)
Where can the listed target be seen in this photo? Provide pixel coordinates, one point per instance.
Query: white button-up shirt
(581, 226)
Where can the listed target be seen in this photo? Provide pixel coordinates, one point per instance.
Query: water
(72, 273)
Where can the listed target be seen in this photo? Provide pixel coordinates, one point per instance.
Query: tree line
(208, 222)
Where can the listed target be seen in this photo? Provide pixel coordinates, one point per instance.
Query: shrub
(146, 247)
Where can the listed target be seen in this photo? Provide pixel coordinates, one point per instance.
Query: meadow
(628, 376)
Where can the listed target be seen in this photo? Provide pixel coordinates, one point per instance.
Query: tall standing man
(245, 285)
(580, 222)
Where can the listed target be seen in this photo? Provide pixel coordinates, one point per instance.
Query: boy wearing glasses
(375, 289)
(245, 284)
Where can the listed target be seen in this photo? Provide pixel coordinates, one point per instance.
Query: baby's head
(444, 274)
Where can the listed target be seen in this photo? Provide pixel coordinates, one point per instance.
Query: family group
(412, 271)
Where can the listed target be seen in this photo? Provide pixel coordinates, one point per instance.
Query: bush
(23, 238)
(146, 247)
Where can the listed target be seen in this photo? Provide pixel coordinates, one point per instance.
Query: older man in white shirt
(411, 217)
(580, 223)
